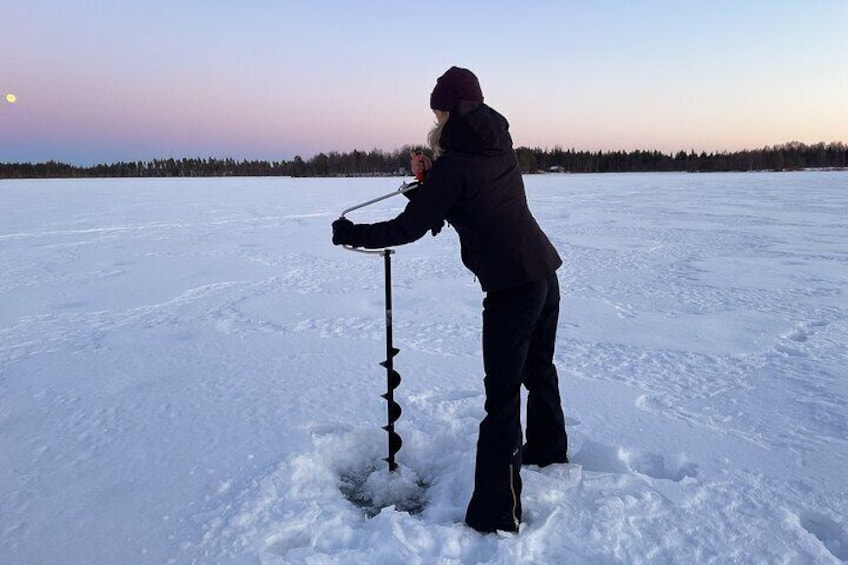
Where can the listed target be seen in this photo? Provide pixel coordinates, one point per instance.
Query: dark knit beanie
(455, 85)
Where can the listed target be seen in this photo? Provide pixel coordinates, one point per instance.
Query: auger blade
(385, 363)
(395, 443)
(394, 409)
(393, 379)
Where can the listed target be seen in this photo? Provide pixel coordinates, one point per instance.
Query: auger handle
(405, 187)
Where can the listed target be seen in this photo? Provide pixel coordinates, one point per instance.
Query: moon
(10, 98)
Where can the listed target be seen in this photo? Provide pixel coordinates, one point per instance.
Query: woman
(475, 184)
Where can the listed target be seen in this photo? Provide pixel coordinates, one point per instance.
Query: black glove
(342, 232)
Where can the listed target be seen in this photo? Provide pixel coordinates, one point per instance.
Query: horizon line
(546, 149)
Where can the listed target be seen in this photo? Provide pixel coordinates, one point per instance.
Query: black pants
(519, 335)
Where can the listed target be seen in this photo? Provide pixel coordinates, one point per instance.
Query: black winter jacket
(476, 186)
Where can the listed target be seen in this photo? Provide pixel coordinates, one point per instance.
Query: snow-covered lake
(189, 374)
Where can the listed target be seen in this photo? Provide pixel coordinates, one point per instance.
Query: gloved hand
(419, 164)
(342, 232)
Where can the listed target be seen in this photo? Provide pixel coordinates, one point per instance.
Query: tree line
(790, 156)
(333, 164)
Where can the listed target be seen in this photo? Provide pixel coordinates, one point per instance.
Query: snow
(189, 374)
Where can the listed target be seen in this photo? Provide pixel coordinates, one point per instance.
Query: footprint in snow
(802, 332)
(595, 456)
(570, 422)
(830, 533)
(675, 469)
(798, 334)
(623, 311)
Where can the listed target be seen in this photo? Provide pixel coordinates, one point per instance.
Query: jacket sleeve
(425, 211)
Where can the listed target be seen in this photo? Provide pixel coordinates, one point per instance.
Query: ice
(189, 374)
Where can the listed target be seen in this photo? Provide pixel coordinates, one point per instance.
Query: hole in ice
(372, 489)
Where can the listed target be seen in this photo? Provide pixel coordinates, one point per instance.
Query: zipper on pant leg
(514, 498)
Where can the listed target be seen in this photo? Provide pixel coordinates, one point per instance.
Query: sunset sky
(97, 81)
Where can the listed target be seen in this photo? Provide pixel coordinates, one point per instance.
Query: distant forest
(790, 156)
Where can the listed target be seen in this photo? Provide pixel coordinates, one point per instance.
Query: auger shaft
(393, 409)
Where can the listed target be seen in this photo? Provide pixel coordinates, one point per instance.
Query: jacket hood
(477, 129)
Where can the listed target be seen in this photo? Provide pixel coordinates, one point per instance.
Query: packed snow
(189, 373)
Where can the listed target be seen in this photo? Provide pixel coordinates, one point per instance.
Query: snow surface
(189, 374)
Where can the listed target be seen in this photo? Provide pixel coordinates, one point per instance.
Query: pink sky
(269, 82)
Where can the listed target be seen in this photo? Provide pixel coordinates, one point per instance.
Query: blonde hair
(436, 133)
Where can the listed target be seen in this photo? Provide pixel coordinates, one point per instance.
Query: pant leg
(509, 319)
(547, 441)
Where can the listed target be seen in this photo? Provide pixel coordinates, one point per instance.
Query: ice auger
(393, 409)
